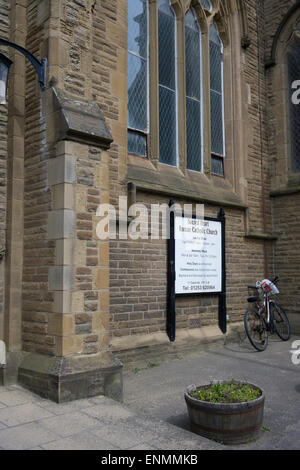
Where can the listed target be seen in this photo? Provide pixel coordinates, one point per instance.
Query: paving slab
(14, 397)
(65, 426)
(67, 407)
(98, 423)
(153, 415)
(109, 411)
(21, 414)
(25, 436)
(80, 441)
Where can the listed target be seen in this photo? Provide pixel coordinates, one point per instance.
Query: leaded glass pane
(137, 27)
(193, 91)
(167, 126)
(164, 6)
(214, 36)
(137, 106)
(294, 75)
(217, 167)
(137, 93)
(192, 56)
(216, 105)
(206, 4)
(166, 38)
(216, 92)
(193, 135)
(215, 67)
(137, 144)
(167, 84)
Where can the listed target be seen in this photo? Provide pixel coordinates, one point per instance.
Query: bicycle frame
(268, 317)
(265, 308)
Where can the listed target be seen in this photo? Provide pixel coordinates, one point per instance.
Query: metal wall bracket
(40, 66)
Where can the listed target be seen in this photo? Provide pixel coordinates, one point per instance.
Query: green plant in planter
(231, 392)
(230, 412)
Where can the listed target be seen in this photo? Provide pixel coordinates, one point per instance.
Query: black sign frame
(171, 294)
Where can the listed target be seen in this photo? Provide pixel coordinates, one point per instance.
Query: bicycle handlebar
(255, 287)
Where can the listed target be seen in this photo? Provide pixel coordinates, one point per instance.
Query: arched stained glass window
(193, 92)
(216, 100)
(138, 82)
(167, 83)
(293, 61)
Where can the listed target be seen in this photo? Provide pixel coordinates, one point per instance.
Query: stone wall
(78, 293)
(277, 92)
(4, 33)
(255, 80)
(287, 253)
(139, 272)
(138, 268)
(38, 251)
(275, 11)
(65, 280)
(285, 186)
(109, 83)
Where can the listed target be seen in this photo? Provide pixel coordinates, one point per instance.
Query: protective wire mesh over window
(294, 76)
(138, 58)
(216, 92)
(167, 84)
(193, 91)
(206, 4)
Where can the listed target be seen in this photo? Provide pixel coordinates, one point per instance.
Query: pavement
(153, 415)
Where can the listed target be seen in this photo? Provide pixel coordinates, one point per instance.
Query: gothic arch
(200, 12)
(222, 11)
(272, 60)
(283, 172)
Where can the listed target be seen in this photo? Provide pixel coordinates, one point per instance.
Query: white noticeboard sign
(198, 255)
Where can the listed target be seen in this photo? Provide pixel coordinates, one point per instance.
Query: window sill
(261, 235)
(171, 182)
(292, 188)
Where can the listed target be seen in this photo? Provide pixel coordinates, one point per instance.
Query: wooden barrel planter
(228, 423)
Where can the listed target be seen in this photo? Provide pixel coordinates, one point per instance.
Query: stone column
(4, 33)
(15, 193)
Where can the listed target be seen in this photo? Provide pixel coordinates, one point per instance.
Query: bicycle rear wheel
(281, 321)
(256, 329)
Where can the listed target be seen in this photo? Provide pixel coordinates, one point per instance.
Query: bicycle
(266, 317)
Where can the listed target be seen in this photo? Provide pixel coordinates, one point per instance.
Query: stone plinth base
(9, 371)
(62, 379)
(139, 350)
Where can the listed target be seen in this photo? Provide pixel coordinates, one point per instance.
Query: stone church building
(191, 100)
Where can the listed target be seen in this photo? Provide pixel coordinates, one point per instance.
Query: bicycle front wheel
(281, 321)
(256, 329)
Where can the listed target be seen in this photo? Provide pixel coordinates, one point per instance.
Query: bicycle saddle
(253, 298)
